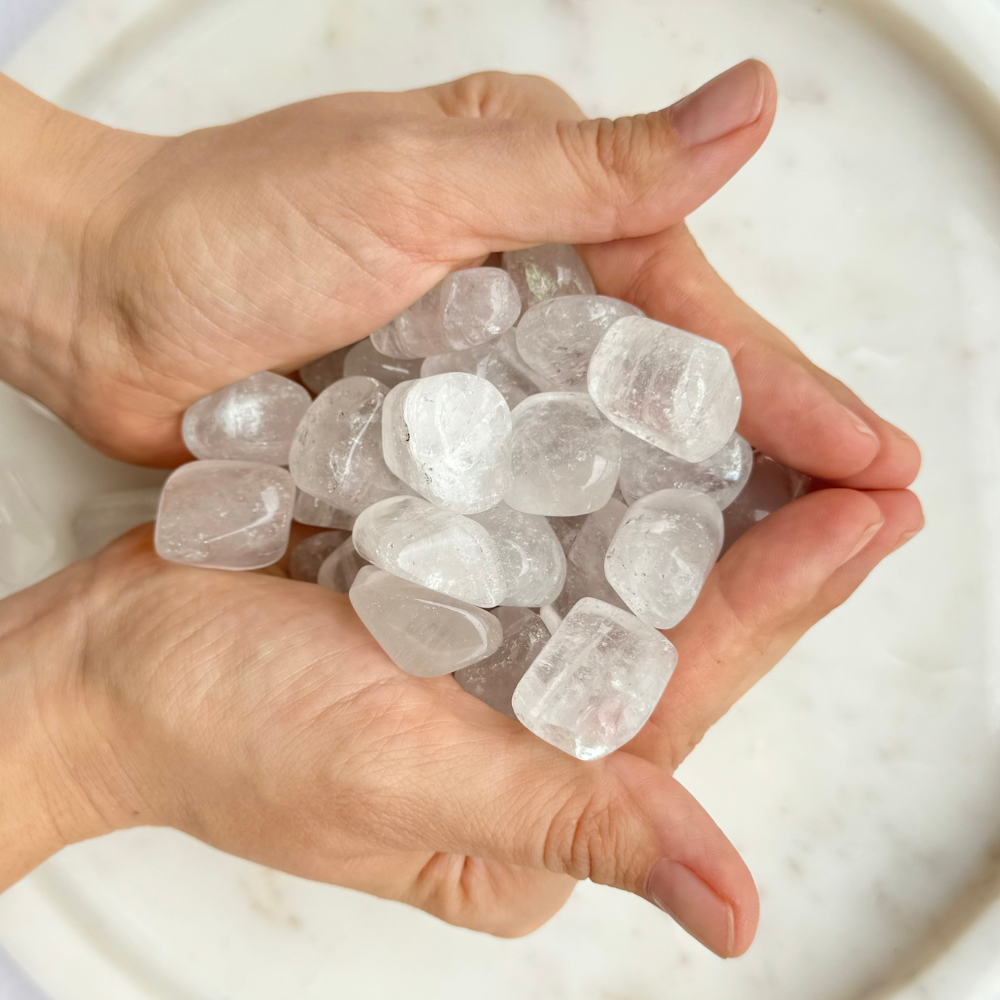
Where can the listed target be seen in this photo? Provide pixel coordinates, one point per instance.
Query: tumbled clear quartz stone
(225, 515)
(596, 682)
(448, 438)
(567, 529)
(320, 513)
(550, 617)
(323, 372)
(424, 632)
(27, 543)
(670, 388)
(557, 337)
(771, 485)
(493, 680)
(365, 359)
(104, 518)
(585, 559)
(662, 553)
(337, 451)
(341, 568)
(547, 271)
(565, 456)
(534, 563)
(306, 558)
(456, 361)
(253, 420)
(435, 548)
(507, 370)
(647, 469)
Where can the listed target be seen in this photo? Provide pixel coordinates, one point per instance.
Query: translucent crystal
(550, 617)
(670, 388)
(493, 680)
(448, 438)
(323, 372)
(596, 682)
(104, 518)
(662, 553)
(547, 271)
(320, 513)
(424, 632)
(534, 563)
(253, 420)
(341, 568)
(585, 560)
(567, 528)
(337, 451)
(435, 548)
(557, 337)
(506, 369)
(365, 359)
(565, 456)
(27, 543)
(456, 361)
(306, 558)
(647, 469)
(225, 515)
(771, 485)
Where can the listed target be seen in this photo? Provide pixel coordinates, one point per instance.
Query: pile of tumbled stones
(511, 442)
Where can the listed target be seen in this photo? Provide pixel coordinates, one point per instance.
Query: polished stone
(341, 567)
(365, 359)
(585, 560)
(456, 361)
(507, 370)
(104, 518)
(771, 485)
(547, 271)
(320, 513)
(323, 372)
(306, 558)
(567, 528)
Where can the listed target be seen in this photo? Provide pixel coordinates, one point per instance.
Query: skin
(257, 713)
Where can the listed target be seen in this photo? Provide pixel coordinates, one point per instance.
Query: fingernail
(721, 106)
(861, 426)
(869, 534)
(908, 537)
(701, 911)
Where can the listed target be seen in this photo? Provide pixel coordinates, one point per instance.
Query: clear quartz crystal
(225, 515)
(493, 680)
(771, 485)
(424, 632)
(365, 359)
(507, 370)
(547, 271)
(567, 529)
(306, 558)
(104, 518)
(534, 563)
(596, 682)
(550, 617)
(670, 388)
(557, 337)
(565, 456)
(320, 513)
(585, 560)
(27, 543)
(647, 469)
(323, 372)
(341, 567)
(456, 361)
(448, 438)
(253, 420)
(662, 553)
(435, 548)
(337, 451)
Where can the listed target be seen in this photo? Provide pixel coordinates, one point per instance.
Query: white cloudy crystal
(341, 567)
(557, 337)
(337, 451)
(585, 559)
(547, 271)
(670, 388)
(306, 558)
(565, 456)
(662, 553)
(567, 529)
(534, 563)
(448, 438)
(104, 518)
(365, 359)
(253, 420)
(771, 485)
(424, 632)
(225, 515)
(507, 370)
(456, 361)
(435, 548)
(27, 543)
(323, 372)
(596, 681)
(647, 469)
(493, 680)
(320, 513)
(550, 617)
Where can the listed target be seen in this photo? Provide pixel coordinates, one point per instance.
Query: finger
(775, 583)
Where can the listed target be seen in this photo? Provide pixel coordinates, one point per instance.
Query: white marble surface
(861, 778)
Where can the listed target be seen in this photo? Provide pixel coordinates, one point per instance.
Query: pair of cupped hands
(257, 713)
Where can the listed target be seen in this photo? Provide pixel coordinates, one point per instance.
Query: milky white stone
(585, 560)
(225, 515)
(27, 543)
(456, 361)
(670, 388)
(253, 420)
(323, 372)
(424, 632)
(104, 518)
(565, 456)
(320, 513)
(557, 337)
(567, 529)
(506, 369)
(647, 469)
(534, 563)
(435, 548)
(448, 438)
(337, 451)
(547, 271)
(550, 617)
(341, 568)
(493, 680)
(662, 553)
(306, 558)
(596, 682)
(365, 359)
(771, 485)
